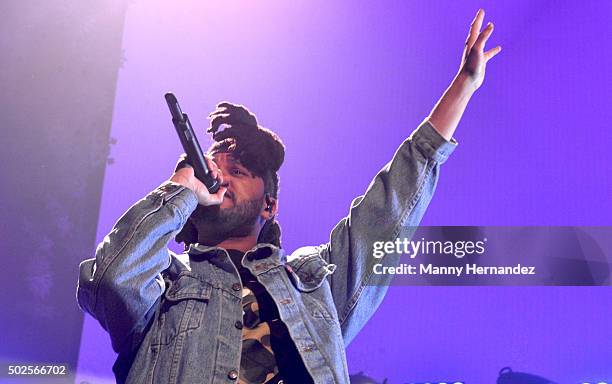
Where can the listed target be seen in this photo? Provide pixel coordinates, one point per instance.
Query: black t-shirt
(267, 348)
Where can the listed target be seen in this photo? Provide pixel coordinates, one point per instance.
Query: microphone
(192, 148)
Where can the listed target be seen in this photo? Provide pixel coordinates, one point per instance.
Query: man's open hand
(474, 58)
(448, 111)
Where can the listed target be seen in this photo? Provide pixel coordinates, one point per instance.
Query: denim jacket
(177, 318)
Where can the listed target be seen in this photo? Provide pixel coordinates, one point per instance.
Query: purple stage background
(343, 84)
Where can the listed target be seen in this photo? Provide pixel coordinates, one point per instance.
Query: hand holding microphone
(185, 175)
(194, 170)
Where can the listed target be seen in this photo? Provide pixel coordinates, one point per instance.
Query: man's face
(241, 206)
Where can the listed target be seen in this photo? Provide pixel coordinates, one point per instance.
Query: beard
(215, 224)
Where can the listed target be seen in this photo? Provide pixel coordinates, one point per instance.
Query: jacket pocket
(307, 272)
(182, 308)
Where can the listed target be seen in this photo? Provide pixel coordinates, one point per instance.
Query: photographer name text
(468, 269)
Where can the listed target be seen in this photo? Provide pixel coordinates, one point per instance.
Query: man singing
(233, 307)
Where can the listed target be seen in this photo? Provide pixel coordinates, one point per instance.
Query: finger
(492, 52)
(474, 29)
(483, 37)
(220, 177)
(182, 162)
(188, 169)
(218, 196)
(212, 166)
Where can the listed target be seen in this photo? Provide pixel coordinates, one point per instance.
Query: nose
(226, 184)
(226, 179)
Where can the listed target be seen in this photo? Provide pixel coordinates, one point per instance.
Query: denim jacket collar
(261, 258)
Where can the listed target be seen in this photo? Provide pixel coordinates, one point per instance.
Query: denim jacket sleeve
(391, 208)
(122, 284)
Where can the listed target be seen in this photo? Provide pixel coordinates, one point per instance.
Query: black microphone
(195, 156)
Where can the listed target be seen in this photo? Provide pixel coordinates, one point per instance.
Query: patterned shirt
(267, 349)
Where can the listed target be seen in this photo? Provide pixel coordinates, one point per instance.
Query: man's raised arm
(395, 201)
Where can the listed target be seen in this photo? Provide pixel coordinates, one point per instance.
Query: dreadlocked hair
(258, 149)
(261, 152)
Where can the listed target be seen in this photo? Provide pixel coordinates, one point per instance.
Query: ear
(270, 207)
